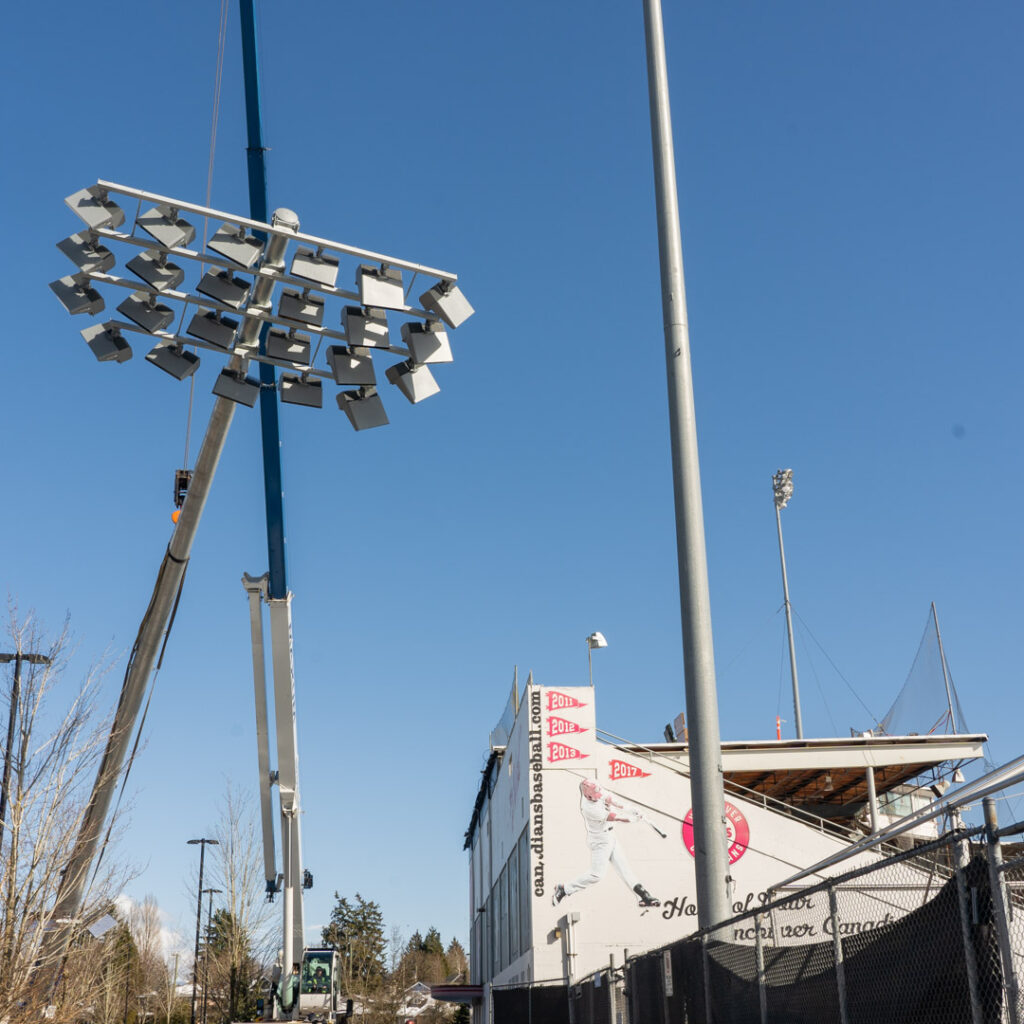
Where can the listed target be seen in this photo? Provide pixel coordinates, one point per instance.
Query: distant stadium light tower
(594, 640)
(782, 486)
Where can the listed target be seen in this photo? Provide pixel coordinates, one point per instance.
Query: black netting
(592, 1002)
(644, 989)
(548, 1004)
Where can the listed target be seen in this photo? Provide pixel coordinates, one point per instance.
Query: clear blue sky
(851, 212)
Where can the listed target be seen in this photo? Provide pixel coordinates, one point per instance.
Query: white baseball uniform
(603, 848)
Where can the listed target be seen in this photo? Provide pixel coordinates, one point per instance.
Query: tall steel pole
(12, 720)
(709, 830)
(782, 488)
(202, 844)
(206, 957)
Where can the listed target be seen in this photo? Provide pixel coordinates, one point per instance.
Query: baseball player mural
(601, 813)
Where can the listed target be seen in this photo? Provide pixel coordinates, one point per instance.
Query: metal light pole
(782, 487)
(595, 640)
(202, 844)
(206, 958)
(12, 718)
(711, 859)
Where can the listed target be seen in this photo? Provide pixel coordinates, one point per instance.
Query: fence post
(759, 947)
(837, 951)
(999, 905)
(707, 979)
(960, 860)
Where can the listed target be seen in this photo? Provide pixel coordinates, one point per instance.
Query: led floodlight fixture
(163, 223)
(302, 391)
(314, 265)
(291, 347)
(236, 386)
(351, 365)
(427, 343)
(143, 309)
(363, 408)
(213, 328)
(95, 208)
(174, 360)
(367, 327)
(86, 253)
(76, 296)
(153, 267)
(380, 286)
(301, 307)
(222, 287)
(415, 382)
(448, 302)
(234, 244)
(106, 343)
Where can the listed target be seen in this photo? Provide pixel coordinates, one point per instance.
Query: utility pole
(12, 719)
(206, 958)
(782, 487)
(202, 844)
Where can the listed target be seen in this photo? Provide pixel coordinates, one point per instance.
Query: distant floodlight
(163, 223)
(100, 928)
(234, 244)
(291, 347)
(428, 343)
(380, 286)
(302, 391)
(143, 309)
(222, 287)
(95, 208)
(782, 487)
(302, 307)
(153, 267)
(447, 301)
(106, 343)
(173, 360)
(596, 640)
(234, 385)
(313, 265)
(367, 327)
(351, 365)
(85, 251)
(363, 408)
(76, 296)
(415, 382)
(213, 328)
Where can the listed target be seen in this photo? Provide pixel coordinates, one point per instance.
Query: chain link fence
(933, 934)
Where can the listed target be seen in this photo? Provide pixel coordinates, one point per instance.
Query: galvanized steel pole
(709, 834)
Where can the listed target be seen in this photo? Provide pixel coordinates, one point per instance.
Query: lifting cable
(181, 476)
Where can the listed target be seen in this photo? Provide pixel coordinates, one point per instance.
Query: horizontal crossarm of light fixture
(269, 229)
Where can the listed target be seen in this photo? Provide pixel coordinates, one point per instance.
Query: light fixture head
(427, 342)
(143, 309)
(367, 327)
(234, 244)
(106, 343)
(351, 365)
(447, 301)
(85, 251)
(782, 487)
(163, 223)
(76, 296)
(296, 390)
(153, 267)
(237, 387)
(222, 287)
(173, 360)
(596, 640)
(414, 381)
(214, 329)
(95, 208)
(289, 346)
(380, 286)
(302, 307)
(363, 408)
(315, 266)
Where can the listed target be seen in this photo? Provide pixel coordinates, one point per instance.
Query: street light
(782, 489)
(595, 640)
(18, 658)
(206, 958)
(202, 844)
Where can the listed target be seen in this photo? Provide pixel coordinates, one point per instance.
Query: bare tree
(58, 741)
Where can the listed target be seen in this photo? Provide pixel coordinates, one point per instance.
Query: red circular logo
(736, 829)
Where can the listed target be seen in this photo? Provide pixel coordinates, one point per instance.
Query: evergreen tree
(356, 931)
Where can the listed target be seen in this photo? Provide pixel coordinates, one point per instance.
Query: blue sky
(851, 213)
